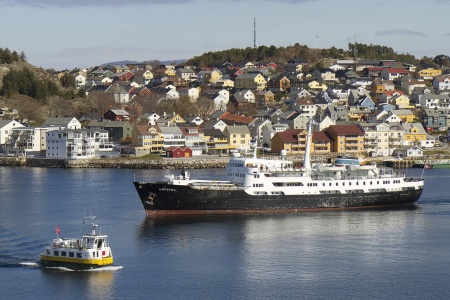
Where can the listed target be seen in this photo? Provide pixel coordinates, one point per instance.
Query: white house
(192, 93)
(441, 83)
(80, 81)
(220, 102)
(172, 94)
(74, 144)
(151, 118)
(408, 151)
(247, 94)
(173, 136)
(269, 131)
(62, 123)
(25, 141)
(5, 129)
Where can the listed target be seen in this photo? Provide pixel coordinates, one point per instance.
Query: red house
(178, 152)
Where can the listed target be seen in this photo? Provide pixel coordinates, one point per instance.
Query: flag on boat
(58, 231)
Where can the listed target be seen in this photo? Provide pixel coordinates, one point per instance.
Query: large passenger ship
(262, 185)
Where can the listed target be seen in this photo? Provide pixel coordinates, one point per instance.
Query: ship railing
(286, 174)
(321, 177)
(215, 187)
(66, 243)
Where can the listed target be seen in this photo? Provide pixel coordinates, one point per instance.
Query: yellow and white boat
(90, 251)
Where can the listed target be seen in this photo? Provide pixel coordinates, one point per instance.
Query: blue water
(358, 254)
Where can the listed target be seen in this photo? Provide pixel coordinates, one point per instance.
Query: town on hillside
(360, 108)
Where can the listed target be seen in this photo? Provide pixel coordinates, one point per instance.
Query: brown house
(347, 139)
(293, 141)
(321, 143)
(264, 98)
(279, 83)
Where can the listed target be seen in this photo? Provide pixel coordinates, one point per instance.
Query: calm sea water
(359, 254)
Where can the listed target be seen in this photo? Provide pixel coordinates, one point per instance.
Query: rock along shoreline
(174, 163)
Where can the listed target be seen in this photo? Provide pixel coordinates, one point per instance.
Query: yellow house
(347, 139)
(429, 73)
(315, 85)
(402, 102)
(238, 137)
(170, 120)
(251, 81)
(169, 72)
(209, 76)
(293, 141)
(321, 143)
(216, 141)
(414, 133)
(148, 137)
(223, 83)
(406, 115)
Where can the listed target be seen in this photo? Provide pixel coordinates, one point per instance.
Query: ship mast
(306, 159)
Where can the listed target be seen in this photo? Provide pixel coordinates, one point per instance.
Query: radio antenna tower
(254, 33)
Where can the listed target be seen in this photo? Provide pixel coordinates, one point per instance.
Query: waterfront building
(76, 143)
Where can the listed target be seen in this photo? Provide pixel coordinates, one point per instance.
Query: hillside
(40, 73)
(283, 54)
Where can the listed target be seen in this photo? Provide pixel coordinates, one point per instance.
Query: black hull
(165, 198)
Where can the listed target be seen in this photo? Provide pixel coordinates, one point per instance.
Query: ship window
(71, 254)
(56, 253)
(63, 253)
(79, 255)
(337, 184)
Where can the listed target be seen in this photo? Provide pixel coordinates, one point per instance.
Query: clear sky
(62, 34)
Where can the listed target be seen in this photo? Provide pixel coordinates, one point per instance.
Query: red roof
(227, 116)
(375, 68)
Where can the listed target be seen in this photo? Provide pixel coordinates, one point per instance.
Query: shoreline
(205, 162)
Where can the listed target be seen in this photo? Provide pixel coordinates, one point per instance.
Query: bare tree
(185, 107)
(101, 102)
(28, 108)
(205, 107)
(57, 106)
(149, 103)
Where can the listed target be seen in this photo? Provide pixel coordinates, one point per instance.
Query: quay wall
(177, 163)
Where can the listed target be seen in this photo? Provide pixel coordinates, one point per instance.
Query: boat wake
(29, 264)
(101, 269)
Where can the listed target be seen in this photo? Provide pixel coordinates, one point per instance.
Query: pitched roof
(346, 129)
(320, 136)
(289, 135)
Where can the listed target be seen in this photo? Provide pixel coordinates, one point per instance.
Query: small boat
(88, 252)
